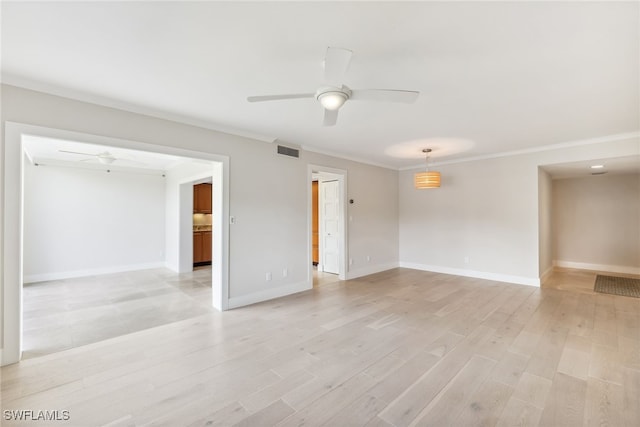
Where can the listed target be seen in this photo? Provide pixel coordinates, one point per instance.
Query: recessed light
(597, 166)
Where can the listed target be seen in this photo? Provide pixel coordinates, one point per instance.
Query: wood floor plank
(510, 368)
(606, 404)
(269, 416)
(629, 351)
(321, 409)
(485, 405)
(230, 414)
(604, 324)
(582, 319)
(576, 357)
(268, 395)
(359, 413)
(458, 391)
(404, 375)
(545, 358)
(377, 422)
(606, 364)
(565, 403)
(630, 391)
(519, 413)
(501, 340)
(533, 389)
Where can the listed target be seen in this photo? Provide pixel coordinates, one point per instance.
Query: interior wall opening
(589, 221)
(100, 247)
(327, 231)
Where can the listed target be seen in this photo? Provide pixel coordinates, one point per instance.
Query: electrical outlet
(268, 276)
(368, 258)
(350, 261)
(466, 260)
(285, 272)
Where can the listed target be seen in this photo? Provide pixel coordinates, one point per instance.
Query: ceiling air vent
(286, 151)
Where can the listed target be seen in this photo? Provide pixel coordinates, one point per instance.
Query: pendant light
(426, 179)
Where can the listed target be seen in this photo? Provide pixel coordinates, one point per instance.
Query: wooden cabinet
(202, 247)
(202, 198)
(197, 248)
(206, 246)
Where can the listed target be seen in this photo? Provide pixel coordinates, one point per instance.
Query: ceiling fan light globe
(332, 100)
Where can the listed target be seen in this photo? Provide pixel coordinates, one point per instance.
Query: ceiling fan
(105, 157)
(334, 94)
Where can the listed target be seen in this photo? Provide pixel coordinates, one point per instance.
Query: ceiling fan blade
(279, 97)
(330, 117)
(388, 95)
(336, 63)
(75, 152)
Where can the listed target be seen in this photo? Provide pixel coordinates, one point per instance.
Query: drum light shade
(427, 179)
(424, 180)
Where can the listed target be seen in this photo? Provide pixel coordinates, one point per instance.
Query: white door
(329, 216)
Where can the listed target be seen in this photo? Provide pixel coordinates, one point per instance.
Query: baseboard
(32, 278)
(268, 294)
(520, 280)
(370, 269)
(545, 275)
(9, 358)
(597, 267)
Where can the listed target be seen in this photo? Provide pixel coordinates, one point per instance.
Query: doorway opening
(141, 215)
(202, 223)
(327, 226)
(588, 221)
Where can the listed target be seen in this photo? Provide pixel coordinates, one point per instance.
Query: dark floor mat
(624, 286)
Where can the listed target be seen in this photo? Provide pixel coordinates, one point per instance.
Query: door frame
(11, 257)
(341, 177)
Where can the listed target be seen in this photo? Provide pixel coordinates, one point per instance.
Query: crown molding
(551, 147)
(24, 83)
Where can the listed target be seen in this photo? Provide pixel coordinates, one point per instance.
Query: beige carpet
(624, 286)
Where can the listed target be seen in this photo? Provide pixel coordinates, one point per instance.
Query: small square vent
(286, 151)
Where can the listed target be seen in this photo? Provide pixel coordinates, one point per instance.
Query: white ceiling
(493, 76)
(49, 151)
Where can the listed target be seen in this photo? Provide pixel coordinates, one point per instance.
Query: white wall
(545, 223)
(268, 194)
(481, 212)
(486, 210)
(79, 222)
(597, 222)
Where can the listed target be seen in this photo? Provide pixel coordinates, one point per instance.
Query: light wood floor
(399, 348)
(62, 314)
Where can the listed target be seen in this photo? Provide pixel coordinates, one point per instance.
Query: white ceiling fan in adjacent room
(334, 94)
(105, 157)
